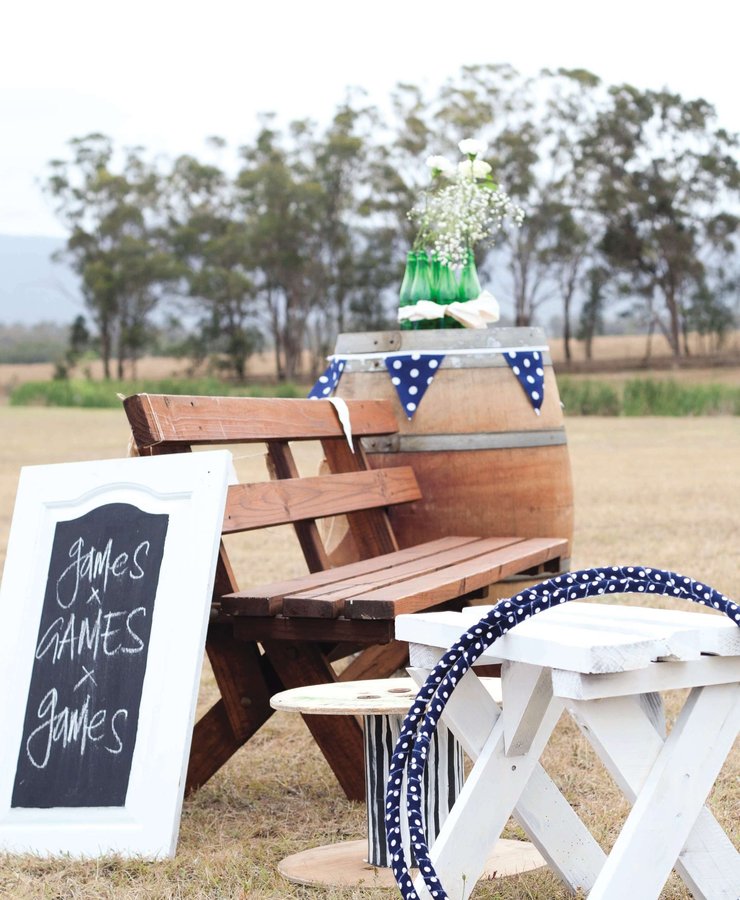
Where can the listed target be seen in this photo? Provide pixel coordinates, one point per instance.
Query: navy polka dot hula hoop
(410, 754)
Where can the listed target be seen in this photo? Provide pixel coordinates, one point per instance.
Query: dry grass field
(664, 492)
(607, 349)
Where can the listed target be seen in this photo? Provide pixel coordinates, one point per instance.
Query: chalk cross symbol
(94, 595)
(89, 673)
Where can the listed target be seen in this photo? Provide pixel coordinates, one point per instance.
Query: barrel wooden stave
(486, 463)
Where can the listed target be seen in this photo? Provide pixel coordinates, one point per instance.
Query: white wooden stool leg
(673, 779)
(708, 864)
(491, 790)
(551, 824)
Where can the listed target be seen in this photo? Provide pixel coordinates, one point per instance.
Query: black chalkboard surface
(82, 711)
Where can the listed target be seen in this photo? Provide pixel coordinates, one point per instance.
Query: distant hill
(32, 287)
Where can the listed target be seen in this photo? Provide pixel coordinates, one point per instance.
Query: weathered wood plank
(281, 464)
(329, 601)
(158, 418)
(267, 503)
(371, 530)
(431, 589)
(263, 628)
(266, 599)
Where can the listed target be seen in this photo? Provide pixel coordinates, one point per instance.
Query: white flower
(472, 148)
(440, 164)
(473, 168)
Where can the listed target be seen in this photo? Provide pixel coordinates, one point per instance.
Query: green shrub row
(580, 397)
(105, 394)
(647, 397)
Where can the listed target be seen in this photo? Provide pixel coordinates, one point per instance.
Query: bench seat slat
(328, 601)
(266, 599)
(262, 504)
(436, 587)
(169, 419)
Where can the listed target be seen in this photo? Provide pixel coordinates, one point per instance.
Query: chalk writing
(83, 702)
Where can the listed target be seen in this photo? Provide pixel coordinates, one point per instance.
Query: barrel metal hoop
(472, 359)
(421, 443)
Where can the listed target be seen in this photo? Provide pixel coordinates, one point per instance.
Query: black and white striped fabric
(441, 781)
(410, 758)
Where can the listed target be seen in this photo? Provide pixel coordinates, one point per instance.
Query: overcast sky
(167, 74)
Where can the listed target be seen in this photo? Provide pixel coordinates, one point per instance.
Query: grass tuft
(647, 397)
(105, 394)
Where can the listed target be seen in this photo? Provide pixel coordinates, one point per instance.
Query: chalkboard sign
(88, 673)
(103, 610)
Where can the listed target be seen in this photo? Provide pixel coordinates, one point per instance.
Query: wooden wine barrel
(487, 464)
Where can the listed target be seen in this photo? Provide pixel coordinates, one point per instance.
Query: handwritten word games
(82, 712)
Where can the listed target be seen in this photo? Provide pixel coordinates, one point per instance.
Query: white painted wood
(527, 692)
(191, 490)
(376, 696)
(620, 638)
(628, 744)
(672, 796)
(491, 791)
(652, 705)
(555, 829)
(545, 815)
(662, 676)
(471, 712)
(623, 718)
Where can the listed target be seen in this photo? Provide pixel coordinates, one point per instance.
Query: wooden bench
(288, 634)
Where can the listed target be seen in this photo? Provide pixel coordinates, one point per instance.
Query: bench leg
(246, 683)
(339, 737)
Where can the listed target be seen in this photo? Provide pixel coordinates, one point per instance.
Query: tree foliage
(631, 198)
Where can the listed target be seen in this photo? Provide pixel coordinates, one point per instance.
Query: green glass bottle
(469, 284)
(421, 286)
(434, 276)
(449, 291)
(404, 293)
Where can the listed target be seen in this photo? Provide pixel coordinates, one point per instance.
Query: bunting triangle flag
(411, 375)
(527, 366)
(327, 382)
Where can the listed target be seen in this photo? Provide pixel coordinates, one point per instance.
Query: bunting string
(412, 372)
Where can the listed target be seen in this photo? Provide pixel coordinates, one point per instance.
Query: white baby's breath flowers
(468, 209)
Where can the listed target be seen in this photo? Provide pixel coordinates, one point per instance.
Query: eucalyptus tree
(280, 202)
(317, 233)
(356, 234)
(667, 182)
(209, 239)
(116, 241)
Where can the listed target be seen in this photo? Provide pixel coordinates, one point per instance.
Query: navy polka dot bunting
(411, 375)
(324, 387)
(528, 368)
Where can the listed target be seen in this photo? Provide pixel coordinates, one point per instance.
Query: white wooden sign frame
(191, 490)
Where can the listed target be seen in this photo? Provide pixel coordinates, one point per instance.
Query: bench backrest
(174, 424)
